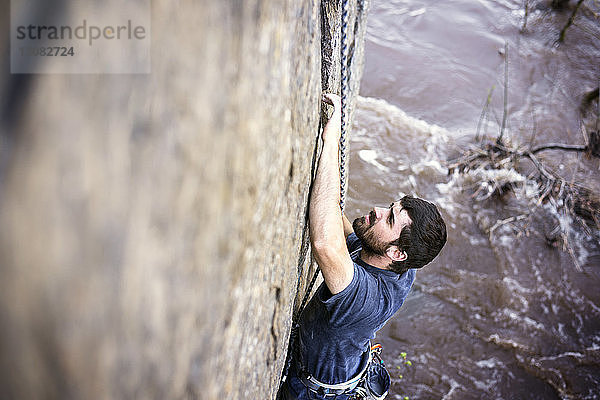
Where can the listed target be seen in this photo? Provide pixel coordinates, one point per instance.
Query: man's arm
(326, 225)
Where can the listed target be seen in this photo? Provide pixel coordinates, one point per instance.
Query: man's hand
(334, 100)
(333, 129)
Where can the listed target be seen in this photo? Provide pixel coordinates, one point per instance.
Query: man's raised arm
(326, 225)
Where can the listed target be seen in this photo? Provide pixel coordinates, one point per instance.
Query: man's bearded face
(365, 231)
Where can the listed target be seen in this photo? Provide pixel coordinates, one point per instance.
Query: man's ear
(395, 254)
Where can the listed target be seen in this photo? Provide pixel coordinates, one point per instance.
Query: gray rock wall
(153, 233)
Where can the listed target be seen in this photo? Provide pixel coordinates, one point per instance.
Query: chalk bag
(378, 379)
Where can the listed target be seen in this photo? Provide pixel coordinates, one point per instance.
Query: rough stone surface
(153, 226)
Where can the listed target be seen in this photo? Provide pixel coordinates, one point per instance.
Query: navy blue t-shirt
(335, 329)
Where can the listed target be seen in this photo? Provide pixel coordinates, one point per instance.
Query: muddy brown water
(501, 314)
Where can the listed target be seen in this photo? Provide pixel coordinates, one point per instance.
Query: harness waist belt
(330, 390)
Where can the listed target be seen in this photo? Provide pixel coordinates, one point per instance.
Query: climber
(368, 269)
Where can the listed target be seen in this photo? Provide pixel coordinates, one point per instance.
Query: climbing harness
(372, 382)
(339, 388)
(343, 179)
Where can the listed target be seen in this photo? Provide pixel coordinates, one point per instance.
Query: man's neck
(375, 260)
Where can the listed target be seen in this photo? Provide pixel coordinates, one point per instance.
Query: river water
(503, 313)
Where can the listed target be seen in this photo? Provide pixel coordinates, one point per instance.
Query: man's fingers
(327, 99)
(332, 99)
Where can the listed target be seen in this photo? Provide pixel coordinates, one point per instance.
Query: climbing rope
(344, 104)
(345, 88)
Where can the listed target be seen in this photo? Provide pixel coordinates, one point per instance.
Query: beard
(364, 232)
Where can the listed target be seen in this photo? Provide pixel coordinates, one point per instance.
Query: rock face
(154, 235)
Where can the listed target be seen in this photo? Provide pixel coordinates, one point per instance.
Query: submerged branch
(561, 38)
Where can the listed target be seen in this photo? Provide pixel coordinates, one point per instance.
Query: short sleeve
(357, 302)
(353, 244)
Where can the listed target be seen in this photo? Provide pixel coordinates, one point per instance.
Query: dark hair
(424, 238)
